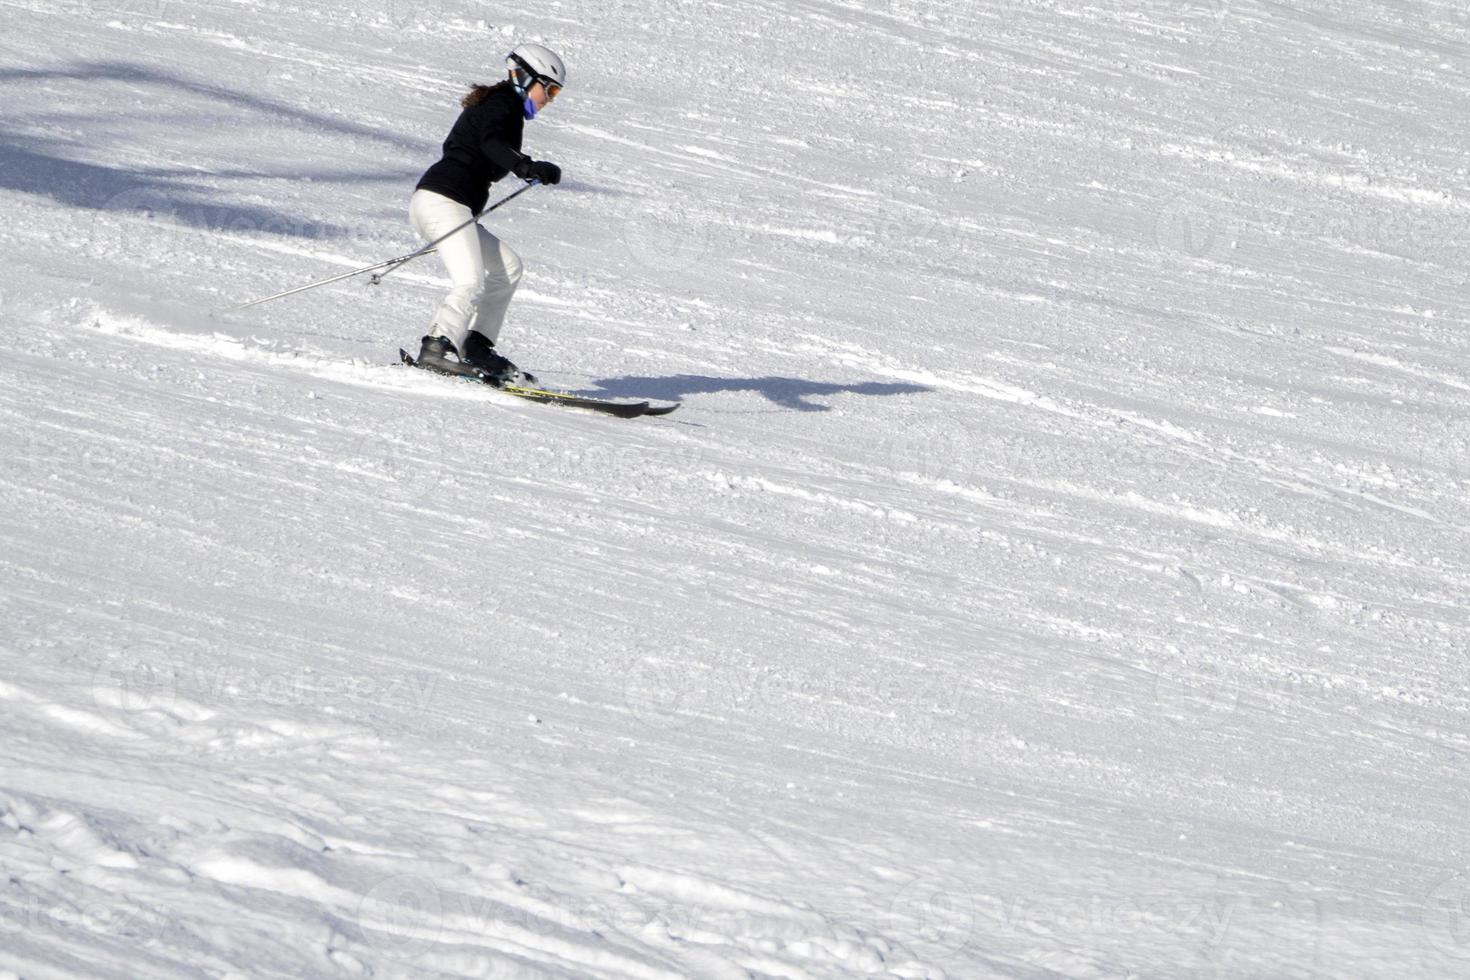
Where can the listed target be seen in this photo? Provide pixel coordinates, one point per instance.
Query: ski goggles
(551, 86)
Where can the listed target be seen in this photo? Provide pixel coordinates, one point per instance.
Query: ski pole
(389, 265)
(432, 246)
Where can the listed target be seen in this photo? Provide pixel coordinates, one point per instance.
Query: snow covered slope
(1058, 567)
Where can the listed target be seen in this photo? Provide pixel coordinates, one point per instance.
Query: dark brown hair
(478, 93)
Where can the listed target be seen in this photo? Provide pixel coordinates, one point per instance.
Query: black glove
(547, 173)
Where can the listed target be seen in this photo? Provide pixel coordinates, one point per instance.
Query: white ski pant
(484, 270)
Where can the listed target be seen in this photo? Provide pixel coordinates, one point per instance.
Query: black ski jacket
(483, 146)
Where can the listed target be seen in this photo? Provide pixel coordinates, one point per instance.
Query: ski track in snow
(1057, 568)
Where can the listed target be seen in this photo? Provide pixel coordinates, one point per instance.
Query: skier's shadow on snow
(792, 393)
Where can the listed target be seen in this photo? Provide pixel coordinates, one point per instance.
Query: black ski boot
(480, 353)
(440, 354)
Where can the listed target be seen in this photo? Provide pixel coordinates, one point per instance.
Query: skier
(483, 146)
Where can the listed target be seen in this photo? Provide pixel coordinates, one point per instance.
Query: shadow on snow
(790, 393)
(134, 74)
(45, 168)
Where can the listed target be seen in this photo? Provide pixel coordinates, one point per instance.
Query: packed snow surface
(1058, 566)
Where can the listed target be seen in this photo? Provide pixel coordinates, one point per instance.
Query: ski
(607, 406)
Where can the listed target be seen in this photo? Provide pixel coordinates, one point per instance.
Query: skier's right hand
(547, 173)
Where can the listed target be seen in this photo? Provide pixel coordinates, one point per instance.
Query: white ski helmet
(531, 63)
